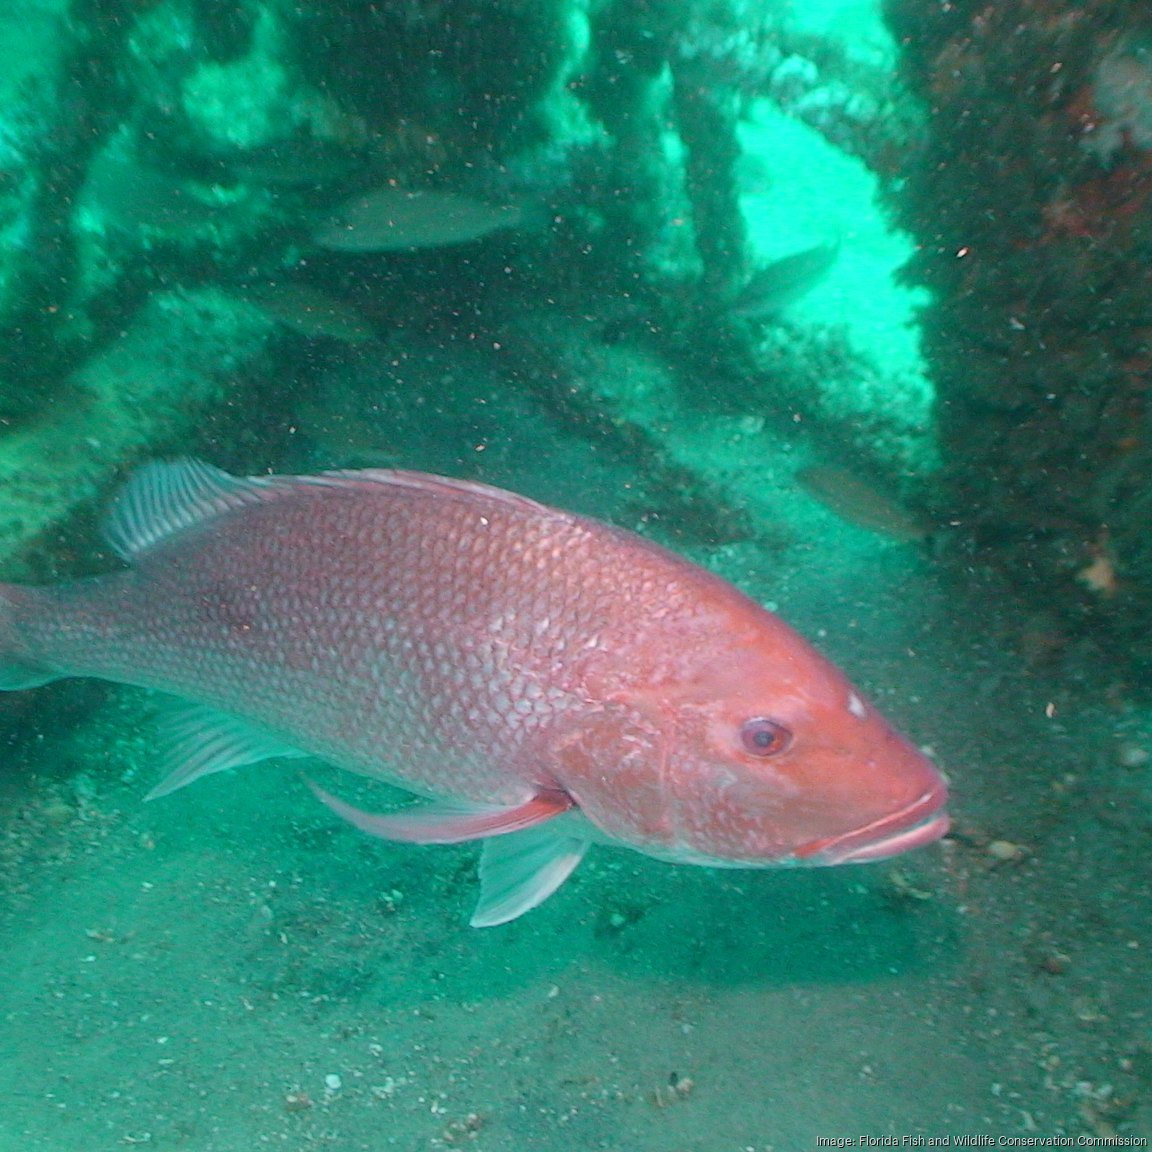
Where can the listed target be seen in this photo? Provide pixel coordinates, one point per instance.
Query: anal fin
(198, 740)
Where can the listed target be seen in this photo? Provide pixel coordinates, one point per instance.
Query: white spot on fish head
(856, 706)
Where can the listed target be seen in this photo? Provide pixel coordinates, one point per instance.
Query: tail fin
(18, 668)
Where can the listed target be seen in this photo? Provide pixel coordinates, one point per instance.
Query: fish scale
(351, 646)
(545, 681)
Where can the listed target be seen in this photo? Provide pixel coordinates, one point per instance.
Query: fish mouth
(921, 822)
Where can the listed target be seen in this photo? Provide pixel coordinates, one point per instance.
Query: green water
(231, 968)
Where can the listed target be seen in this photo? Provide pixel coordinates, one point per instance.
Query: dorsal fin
(446, 487)
(166, 497)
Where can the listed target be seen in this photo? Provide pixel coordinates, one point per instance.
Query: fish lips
(921, 822)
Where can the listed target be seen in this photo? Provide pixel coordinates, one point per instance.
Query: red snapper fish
(541, 679)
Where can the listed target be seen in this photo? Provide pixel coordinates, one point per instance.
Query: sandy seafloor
(232, 969)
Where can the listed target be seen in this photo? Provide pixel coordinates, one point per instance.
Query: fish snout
(917, 824)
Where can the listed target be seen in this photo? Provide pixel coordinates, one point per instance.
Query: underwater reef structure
(164, 166)
(206, 209)
(145, 392)
(1031, 201)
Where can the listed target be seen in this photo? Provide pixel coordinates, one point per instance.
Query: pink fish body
(543, 680)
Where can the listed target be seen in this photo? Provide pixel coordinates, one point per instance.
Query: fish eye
(763, 737)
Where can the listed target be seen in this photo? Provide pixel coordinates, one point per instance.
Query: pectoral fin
(525, 859)
(449, 821)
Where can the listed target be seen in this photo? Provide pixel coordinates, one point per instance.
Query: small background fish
(864, 501)
(782, 282)
(397, 219)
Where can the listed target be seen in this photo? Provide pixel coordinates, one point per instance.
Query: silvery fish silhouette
(541, 679)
